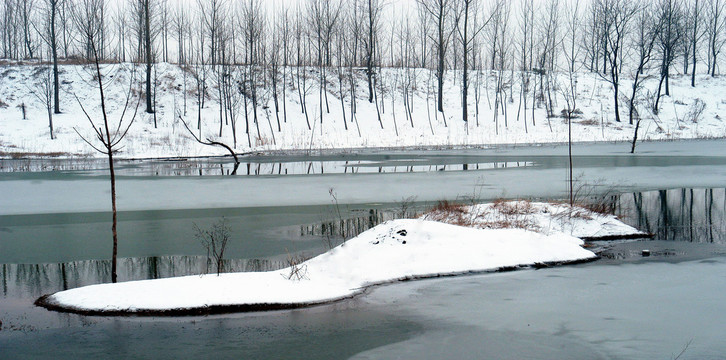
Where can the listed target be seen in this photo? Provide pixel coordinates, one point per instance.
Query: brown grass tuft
(508, 223)
(450, 213)
(510, 208)
(448, 207)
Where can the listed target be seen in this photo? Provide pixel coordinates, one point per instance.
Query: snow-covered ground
(395, 250)
(424, 127)
(545, 218)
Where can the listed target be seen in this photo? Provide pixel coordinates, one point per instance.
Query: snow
(395, 250)
(425, 127)
(546, 218)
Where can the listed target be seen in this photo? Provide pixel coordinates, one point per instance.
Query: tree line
(245, 53)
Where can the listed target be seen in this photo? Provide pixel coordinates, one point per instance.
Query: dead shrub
(405, 210)
(588, 122)
(695, 111)
(298, 270)
(214, 241)
(603, 205)
(596, 196)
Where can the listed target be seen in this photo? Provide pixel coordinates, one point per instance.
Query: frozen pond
(55, 230)
(541, 172)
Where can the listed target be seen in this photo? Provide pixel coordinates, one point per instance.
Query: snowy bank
(416, 124)
(393, 251)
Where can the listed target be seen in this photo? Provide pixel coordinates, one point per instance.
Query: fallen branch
(211, 142)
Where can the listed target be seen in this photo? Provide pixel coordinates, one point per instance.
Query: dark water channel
(490, 316)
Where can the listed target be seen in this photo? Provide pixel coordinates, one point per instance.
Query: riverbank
(26, 131)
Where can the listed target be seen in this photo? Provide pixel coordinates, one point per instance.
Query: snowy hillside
(679, 116)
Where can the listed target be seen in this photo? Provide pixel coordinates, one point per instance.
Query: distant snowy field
(678, 118)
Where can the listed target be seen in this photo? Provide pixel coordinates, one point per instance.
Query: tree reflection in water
(694, 215)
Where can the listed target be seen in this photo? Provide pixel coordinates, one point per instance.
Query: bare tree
(355, 27)
(179, 27)
(8, 33)
(43, 91)
(714, 31)
(301, 55)
(316, 12)
(165, 20)
(144, 13)
(593, 38)
(372, 10)
(617, 16)
(26, 8)
(87, 16)
(47, 33)
(439, 11)
(215, 241)
(66, 26)
(645, 36)
(120, 23)
(283, 32)
(548, 43)
(90, 23)
(571, 52)
(253, 30)
(498, 36)
(468, 26)
(694, 15)
(669, 37)
(526, 45)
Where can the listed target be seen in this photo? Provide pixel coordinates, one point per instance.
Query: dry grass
(448, 207)
(511, 215)
(262, 141)
(518, 223)
(503, 215)
(511, 208)
(588, 122)
(577, 211)
(600, 207)
(26, 155)
(449, 212)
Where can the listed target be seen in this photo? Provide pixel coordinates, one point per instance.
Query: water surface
(55, 234)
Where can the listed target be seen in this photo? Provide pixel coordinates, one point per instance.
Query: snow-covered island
(498, 236)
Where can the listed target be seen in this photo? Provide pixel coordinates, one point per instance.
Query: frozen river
(55, 230)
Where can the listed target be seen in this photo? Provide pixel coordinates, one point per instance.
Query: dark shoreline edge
(46, 302)
(618, 237)
(349, 150)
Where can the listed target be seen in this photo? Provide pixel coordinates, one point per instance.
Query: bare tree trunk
(54, 49)
(147, 39)
(694, 40)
